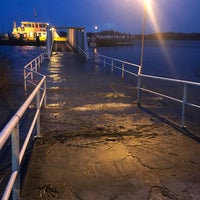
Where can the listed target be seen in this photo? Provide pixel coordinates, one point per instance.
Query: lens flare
(150, 12)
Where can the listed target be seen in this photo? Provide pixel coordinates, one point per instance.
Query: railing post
(45, 91)
(111, 65)
(15, 162)
(36, 65)
(183, 105)
(25, 88)
(104, 62)
(122, 70)
(38, 109)
(138, 87)
(31, 70)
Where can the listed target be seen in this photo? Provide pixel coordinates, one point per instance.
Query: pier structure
(93, 140)
(98, 144)
(76, 40)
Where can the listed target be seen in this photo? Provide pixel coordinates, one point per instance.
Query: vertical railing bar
(122, 70)
(31, 71)
(183, 105)
(45, 89)
(138, 87)
(25, 88)
(36, 65)
(38, 62)
(38, 109)
(112, 65)
(15, 162)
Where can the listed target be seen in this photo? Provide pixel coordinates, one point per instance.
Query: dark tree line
(171, 36)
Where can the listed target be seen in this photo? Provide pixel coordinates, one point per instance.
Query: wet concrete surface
(97, 144)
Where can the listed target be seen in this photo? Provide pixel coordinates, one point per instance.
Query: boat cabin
(30, 31)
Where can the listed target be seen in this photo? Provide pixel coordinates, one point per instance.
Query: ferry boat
(30, 31)
(34, 31)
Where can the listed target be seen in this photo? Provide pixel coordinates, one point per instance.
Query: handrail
(171, 79)
(81, 51)
(12, 127)
(122, 61)
(120, 65)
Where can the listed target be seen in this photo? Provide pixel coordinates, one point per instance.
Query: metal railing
(12, 128)
(123, 67)
(120, 65)
(81, 51)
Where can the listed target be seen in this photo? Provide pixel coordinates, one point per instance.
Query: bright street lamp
(95, 28)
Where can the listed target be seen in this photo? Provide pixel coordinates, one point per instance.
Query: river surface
(174, 59)
(12, 97)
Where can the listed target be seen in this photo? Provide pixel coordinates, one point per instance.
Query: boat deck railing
(12, 129)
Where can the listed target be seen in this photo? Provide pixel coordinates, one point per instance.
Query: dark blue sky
(121, 15)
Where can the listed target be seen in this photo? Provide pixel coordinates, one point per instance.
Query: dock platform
(97, 144)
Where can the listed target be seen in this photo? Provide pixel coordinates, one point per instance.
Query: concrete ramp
(61, 46)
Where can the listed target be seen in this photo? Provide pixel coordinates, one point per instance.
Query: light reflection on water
(54, 68)
(103, 106)
(56, 78)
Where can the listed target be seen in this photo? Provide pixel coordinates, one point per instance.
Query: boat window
(42, 25)
(27, 25)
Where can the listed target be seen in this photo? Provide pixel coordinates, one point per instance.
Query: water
(11, 98)
(20, 56)
(174, 59)
(171, 59)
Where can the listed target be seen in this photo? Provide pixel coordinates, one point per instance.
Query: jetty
(94, 139)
